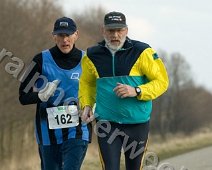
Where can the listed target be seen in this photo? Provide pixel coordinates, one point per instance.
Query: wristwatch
(138, 91)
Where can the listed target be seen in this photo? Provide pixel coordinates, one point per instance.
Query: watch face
(138, 90)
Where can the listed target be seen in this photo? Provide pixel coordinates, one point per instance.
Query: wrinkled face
(65, 42)
(115, 37)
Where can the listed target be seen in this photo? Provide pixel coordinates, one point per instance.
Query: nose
(65, 38)
(115, 33)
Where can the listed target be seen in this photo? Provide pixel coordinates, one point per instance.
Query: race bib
(63, 116)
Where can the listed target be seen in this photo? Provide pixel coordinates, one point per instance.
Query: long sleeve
(153, 68)
(26, 94)
(87, 83)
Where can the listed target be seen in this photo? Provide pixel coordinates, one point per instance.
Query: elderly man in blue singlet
(61, 136)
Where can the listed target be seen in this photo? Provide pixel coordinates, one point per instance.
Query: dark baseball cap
(64, 25)
(115, 20)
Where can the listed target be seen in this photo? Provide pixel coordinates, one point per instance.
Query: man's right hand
(87, 115)
(48, 90)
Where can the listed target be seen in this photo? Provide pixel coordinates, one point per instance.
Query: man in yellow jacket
(122, 76)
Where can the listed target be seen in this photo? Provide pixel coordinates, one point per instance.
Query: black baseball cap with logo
(115, 20)
(64, 25)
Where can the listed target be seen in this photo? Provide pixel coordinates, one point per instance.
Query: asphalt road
(196, 160)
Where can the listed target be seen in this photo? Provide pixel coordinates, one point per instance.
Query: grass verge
(179, 144)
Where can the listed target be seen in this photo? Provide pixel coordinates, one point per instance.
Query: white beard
(114, 47)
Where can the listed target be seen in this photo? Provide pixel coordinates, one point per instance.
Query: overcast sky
(171, 25)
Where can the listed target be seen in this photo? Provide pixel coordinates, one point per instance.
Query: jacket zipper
(113, 64)
(113, 60)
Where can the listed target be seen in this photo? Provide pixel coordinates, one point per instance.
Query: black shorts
(113, 137)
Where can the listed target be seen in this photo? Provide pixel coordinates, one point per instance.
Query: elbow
(22, 101)
(166, 85)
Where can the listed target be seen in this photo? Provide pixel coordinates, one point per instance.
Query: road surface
(196, 160)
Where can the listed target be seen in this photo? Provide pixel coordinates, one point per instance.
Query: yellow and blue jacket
(136, 64)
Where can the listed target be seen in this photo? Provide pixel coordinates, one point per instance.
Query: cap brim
(115, 26)
(68, 32)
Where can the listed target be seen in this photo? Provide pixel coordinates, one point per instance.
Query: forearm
(87, 97)
(29, 98)
(26, 94)
(153, 89)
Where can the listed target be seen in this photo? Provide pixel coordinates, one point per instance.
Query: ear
(127, 30)
(54, 38)
(76, 35)
(102, 29)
